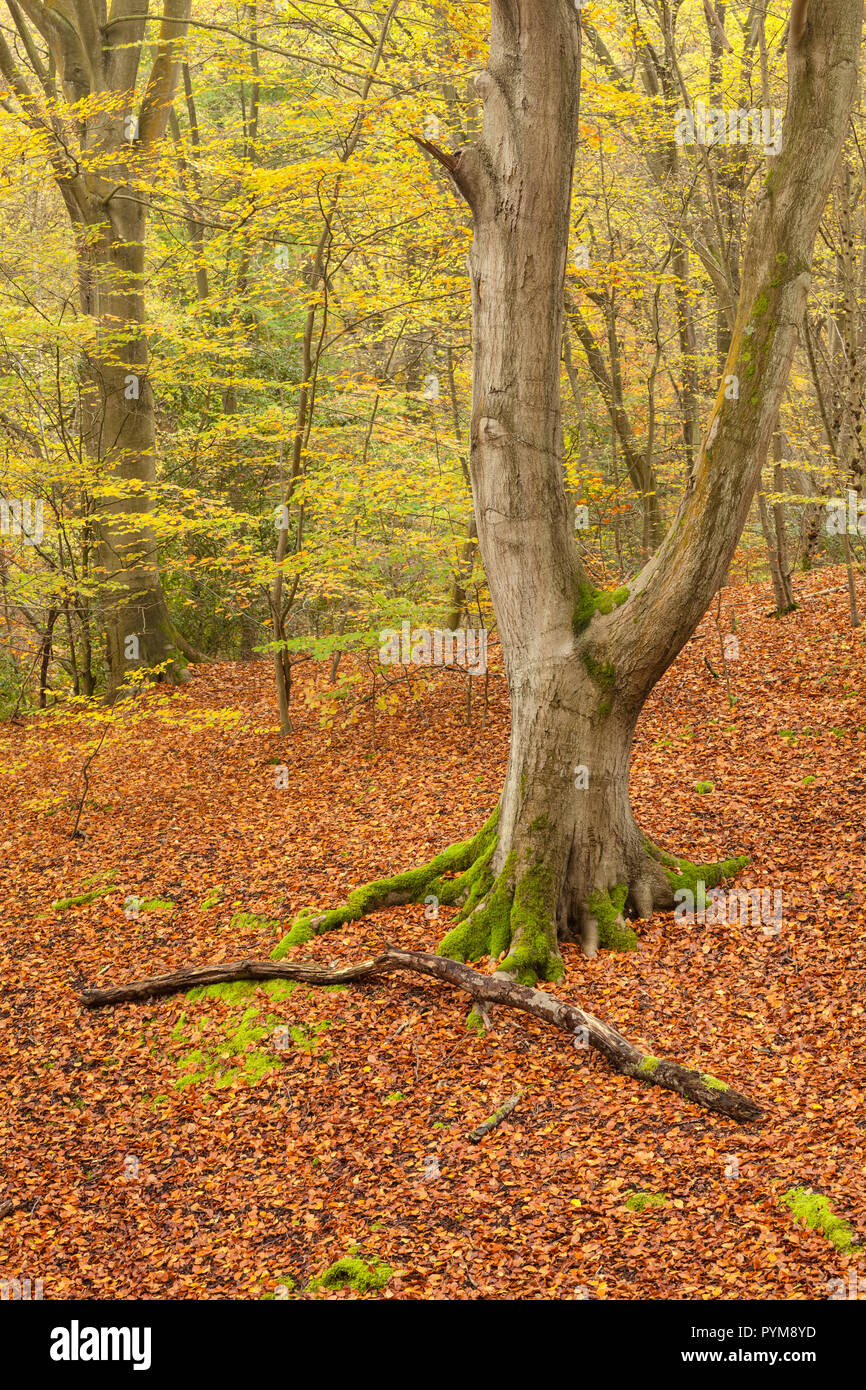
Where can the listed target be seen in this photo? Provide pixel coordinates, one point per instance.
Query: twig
(74, 833)
(496, 1118)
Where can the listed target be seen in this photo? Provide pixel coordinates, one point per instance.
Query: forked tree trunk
(580, 666)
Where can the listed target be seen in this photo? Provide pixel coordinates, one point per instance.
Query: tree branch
(162, 82)
(674, 589)
(500, 989)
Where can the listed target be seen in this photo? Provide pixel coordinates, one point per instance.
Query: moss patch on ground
(639, 1201)
(250, 921)
(814, 1211)
(93, 887)
(352, 1272)
(242, 1042)
(64, 904)
(348, 1272)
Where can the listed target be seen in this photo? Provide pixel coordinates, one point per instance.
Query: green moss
(591, 601)
(298, 935)
(515, 917)
(639, 1201)
(607, 908)
(281, 989)
(475, 1023)
(249, 921)
(225, 1050)
(761, 305)
(284, 1282)
(713, 1082)
(354, 1273)
(156, 905)
(483, 929)
(503, 1110)
(681, 873)
(649, 1065)
(703, 788)
(468, 887)
(307, 1039)
(411, 886)
(213, 896)
(533, 928)
(63, 904)
(814, 1211)
(602, 672)
(232, 992)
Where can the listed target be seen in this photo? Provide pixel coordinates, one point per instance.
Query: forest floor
(174, 1151)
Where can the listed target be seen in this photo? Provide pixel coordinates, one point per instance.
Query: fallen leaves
(277, 1175)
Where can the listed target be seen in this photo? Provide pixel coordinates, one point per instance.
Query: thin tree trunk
(100, 160)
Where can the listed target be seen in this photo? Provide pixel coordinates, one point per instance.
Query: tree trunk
(562, 854)
(776, 540)
(119, 436)
(92, 154)
(568, 856)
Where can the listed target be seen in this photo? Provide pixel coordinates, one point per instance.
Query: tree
(100, 139)
(563, 857)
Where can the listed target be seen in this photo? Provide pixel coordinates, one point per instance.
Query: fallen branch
(495, 1119)
(500, 989)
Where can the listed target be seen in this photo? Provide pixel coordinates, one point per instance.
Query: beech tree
(76, 84)
(563, 858)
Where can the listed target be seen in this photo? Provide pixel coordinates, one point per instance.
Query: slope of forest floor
(174, 1150)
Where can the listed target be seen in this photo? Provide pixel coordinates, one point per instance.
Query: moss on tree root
(607, 908)
(681, 873)
(466, 858)
(514, 923)
(510, 916)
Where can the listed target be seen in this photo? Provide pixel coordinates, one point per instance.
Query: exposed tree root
(512, 919)
(511, 916)
(681, 873)
(466, 858)
(499, 989)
